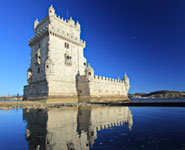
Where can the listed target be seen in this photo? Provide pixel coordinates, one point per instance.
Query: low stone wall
(101, 89)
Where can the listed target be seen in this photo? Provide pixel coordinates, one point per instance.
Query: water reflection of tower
(36, 128)
(106, 117)
(83, 122)
(71, 128)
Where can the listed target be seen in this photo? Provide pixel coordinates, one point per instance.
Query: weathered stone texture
(58, 67)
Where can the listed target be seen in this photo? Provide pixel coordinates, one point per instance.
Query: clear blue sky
(145, 38)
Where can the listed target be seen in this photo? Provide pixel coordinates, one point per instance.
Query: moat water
(93, 127)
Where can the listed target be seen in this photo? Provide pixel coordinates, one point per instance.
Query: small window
(38, 70)
(84, 64)
(68, 59)
(66, 45)
(47, 66)
(92, 133)
(89, 73)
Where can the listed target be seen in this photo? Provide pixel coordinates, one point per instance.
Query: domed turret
(78, 25)
(51, 11)
(89, 72)
(71, 21)
(36, 22)
(126, 81)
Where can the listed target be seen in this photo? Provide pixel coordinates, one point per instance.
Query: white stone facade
(58, 67)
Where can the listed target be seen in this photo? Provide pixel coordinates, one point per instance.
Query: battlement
(57, 32)
(100, 79)
(53, 15)
(96, 77)
(58, 26)
(57, 58)
(38, 35)
(69, 22)
(65, 35)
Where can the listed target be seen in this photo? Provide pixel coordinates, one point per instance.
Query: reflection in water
(71, 128)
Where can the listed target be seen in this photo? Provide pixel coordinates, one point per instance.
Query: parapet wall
(100, 79)
(98, 88)
(106, 79)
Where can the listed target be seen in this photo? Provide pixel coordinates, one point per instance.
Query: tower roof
(125, 77)
(51, 10)
(51, 7)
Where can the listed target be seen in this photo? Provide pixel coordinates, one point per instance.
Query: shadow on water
(72, 128)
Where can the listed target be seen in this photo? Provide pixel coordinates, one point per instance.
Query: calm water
(93, 127)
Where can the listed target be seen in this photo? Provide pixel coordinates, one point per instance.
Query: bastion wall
(58, 71)
(101, 89)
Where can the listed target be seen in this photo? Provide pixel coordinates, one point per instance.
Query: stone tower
(56, 58)
(58, 69)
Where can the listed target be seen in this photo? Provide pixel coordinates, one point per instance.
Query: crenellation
(66, 36)
(58, 62)
(108, 80)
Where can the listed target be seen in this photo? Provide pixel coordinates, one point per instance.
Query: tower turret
(78, 25)
(71, 21)
(126, 81)
(51, 11)
(36, 22)
(89, 72)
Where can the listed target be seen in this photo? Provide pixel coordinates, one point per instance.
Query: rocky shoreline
(32, 105)
(42, 105)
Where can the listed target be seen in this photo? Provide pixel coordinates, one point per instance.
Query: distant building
(59, 70)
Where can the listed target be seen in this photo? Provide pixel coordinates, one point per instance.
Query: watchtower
(57, 57)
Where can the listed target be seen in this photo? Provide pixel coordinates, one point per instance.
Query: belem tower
(58, 69)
